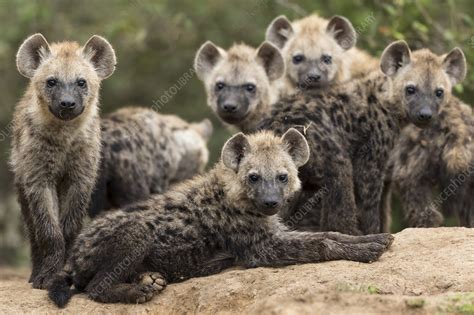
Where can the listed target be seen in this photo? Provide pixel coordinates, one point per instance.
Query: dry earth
(426, 271)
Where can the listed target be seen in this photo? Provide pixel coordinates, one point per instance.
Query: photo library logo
(182, 81)
(359, 30)
(116, 274)
(308, 206)
(6, 132)
(451, 189)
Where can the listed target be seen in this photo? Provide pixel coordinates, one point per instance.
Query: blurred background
(155, 42)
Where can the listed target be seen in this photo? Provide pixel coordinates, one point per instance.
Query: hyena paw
(368, 252)
(384, 239)
(41, 281)
(148, 285)
(153, 279)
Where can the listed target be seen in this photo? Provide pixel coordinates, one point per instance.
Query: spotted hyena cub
(144, 153)
(352, 128)
(239, 81)
(231, 209)
(56, 143)
(436, 159)
(318, 53)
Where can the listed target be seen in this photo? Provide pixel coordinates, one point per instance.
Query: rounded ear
(297, 146)
(206, 59)
(279, 31)
(342, 31)
(31, 53)
(99, 51)
(271, 59)
(454, 64)
(204, 128)
(397, 55)
(234, 150)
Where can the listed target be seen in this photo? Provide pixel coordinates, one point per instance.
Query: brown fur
(204, 226)
(235, 68)
(312, 37)
(55, 156)
(144, 153)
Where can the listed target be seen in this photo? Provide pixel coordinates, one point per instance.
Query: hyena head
(421, 81)
(192, 144)
(265, 168)
(237, 81)
(313, 48)
(65, 77)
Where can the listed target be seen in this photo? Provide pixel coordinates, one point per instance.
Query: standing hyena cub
(178, 235)
(239, 81)
(144, 153)
(318, 53)
(56, 143)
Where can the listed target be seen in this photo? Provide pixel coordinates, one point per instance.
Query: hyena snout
(66, 106)
(232, 108)
(423, 116)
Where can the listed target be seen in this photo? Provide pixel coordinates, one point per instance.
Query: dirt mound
(426, 271)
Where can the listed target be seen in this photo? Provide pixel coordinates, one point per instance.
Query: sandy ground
(427, 271)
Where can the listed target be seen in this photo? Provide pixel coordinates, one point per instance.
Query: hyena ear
(271, 59)
(204, 128)
(234, 150)
(99, 51)
(31, 53)
(206, 59)
(397, 55)
(342, 31)
(297, 146)
(279, 31)
(454, 64)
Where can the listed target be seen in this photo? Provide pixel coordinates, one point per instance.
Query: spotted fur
(56, 143)
(325, 49)
(144, 153)
(184, 232)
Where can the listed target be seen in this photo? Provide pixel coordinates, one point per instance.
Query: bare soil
(426, 271)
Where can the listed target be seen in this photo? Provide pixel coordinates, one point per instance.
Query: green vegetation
(156, 40)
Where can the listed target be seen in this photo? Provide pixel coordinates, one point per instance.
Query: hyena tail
(59, 290)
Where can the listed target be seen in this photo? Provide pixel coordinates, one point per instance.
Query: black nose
(425, 114)
(229, 108)
(271, 203)
(68, 104)
(314, 77)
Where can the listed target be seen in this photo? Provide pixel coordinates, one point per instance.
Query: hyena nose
(425, 114)
(314, 77)
(68, 104)
(229, 108)
(271, 203)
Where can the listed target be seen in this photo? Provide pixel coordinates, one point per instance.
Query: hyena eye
(51, 83)
(283, 178)
(253, 178)
(297, 59)
(82, 83)
(327, 59)
(439, 93)
(410, 90)
(250, 87)
(219, 86)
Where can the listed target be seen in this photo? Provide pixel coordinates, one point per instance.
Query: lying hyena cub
(318, 53)
(434, 158)
(231, 209)
(239, 81)
(144, 153)
(56, 143)
(352, 129)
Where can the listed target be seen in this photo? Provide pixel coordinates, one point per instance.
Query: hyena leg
(338, 211)
(49, 242)
(293, 247)
(35, 251)
(368, 186)
(417, 204)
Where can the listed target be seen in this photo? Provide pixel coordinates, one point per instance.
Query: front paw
(42, 280)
